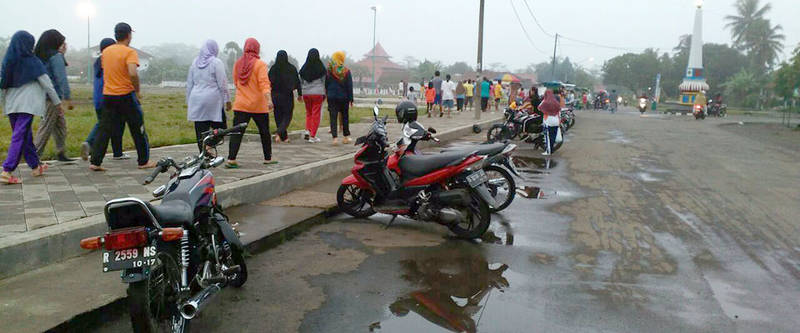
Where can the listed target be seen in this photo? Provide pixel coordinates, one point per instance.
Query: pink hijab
(549, 105)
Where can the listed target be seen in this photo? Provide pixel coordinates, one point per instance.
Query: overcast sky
(444, 30)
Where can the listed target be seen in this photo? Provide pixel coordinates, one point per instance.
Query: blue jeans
(116, 140)
(550, 133)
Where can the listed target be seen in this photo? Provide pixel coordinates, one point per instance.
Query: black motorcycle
(499, 168)
(177, 255)
(717, 109)
(518, 124)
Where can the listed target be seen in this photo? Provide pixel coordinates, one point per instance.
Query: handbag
(559, 138)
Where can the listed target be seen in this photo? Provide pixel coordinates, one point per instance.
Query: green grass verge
(165, 120)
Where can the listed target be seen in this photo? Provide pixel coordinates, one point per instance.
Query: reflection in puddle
(525, 163)
(532, 192)
(618, 137)
(454, 282)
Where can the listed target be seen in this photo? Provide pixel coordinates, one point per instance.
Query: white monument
(694, 83)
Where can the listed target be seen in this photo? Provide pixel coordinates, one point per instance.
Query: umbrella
(507, 78)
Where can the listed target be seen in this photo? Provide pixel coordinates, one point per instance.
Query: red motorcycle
(447, 188)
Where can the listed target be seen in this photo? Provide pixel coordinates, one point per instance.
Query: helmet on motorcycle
(406, 111)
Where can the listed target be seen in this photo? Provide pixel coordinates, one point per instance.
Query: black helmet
(406, 111)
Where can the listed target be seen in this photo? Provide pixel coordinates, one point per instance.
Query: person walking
(461, 93)
(312, 81)
(50, 49)
(412, 95)
(486, 92)
(339, 89)
(448, 95)
(498, 94)
(25, 91)
(253, 100)
(121, 100)
(430, 98)
(551, 110)
(284, 80)
(437, 85)
(469, 91)
(97, 98)
(207, 92)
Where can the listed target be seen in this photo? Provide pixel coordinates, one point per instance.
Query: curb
(52, 244)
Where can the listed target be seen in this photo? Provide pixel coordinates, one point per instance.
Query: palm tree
(764, 44)
(232, 52)
(748, 13)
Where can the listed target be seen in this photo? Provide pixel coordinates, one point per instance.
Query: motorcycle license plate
(129, 258)
(477, 178)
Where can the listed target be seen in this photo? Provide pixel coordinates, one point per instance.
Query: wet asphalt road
(650, 223)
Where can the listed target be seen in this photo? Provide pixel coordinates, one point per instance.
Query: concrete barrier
(45, 246)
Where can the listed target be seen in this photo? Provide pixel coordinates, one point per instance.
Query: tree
(722, 62)
(764, 44)
(4, 45)
(748, 13)
(787, 77)
(458, 68)
(232, 52)
(632, 71)
(411, 62)
(426, 69)
(743, 89)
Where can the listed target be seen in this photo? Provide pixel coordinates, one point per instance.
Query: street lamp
(374, 25)
(87, 10)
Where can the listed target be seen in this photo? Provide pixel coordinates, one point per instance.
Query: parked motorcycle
(448, 188)
(177, 255)
(642, 105)
(520, 124)
(499, 168)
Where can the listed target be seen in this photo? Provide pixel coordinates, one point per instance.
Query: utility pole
(555, 46)
(374, 25)
(480, 61)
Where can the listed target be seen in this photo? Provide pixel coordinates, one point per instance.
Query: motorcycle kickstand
(390, 222)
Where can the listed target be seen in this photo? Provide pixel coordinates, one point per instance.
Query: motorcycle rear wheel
(498, 133)
(354, 201)
(508, 186)
(153, 302)
(477, 221)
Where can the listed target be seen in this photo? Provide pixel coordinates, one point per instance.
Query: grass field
(165, 120)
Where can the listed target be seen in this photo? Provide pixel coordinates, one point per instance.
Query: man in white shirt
(448, 95)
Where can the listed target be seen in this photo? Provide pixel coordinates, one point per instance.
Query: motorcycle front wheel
(502, 187)
(476, 221)
(153, 302)
(498, 133)
(354, 201)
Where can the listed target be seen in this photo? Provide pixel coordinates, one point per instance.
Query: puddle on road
(533, 164)
(618, 137)
(453, 287)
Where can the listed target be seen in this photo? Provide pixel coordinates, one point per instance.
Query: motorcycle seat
(173, 213)
(489, 149)
(420, 165)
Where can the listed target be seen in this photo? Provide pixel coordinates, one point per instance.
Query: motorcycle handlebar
(160, 167)
(223, 132)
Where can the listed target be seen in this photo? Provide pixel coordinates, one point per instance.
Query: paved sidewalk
(69, 192)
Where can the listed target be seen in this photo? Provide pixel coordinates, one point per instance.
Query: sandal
(96, 168)
(269, 162)
(39, 170)
(9, 179)
(231, 165)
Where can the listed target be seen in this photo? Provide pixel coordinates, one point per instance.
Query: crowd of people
(34, 83)
(446, 94)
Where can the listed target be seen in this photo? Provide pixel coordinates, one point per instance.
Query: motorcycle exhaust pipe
(196, 303)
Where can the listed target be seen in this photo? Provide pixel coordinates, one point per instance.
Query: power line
(525, 30)
(536, 20)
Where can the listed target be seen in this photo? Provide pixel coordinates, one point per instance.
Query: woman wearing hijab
(50, 49)
(312, 81)
(97, 97)
(284, 80)
(551, 110)
(24, 92)
(339, 89)
(253, 100)
(207, 91)
(535, 100)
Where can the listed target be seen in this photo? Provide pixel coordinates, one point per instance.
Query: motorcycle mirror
(159, 191)
(432, 130)
(217, 161)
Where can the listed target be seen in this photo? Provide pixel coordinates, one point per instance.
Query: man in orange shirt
(120, 100)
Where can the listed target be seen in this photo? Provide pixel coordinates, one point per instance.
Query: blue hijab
(98, 64)
(20, 65)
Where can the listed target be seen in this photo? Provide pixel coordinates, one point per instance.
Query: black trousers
(335, 107)
(484, 103)
(201, 127)
(459, 104)
(284, 108)
(117, 111)
(262, 122)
